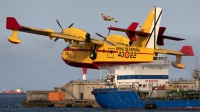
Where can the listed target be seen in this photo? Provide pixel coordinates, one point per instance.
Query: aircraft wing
(167, 51)
(12, 24)
(185, 51)
(64, 36)
(98, 42)
(69, 37)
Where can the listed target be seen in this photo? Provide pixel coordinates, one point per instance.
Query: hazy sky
(36, 63)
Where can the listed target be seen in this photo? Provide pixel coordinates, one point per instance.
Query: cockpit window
(68, 45)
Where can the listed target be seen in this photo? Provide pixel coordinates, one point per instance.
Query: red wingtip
(11, 23)
(187, 50)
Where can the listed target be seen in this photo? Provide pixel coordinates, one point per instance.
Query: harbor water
(13, 103)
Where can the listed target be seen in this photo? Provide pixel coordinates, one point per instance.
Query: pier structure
(78, 94)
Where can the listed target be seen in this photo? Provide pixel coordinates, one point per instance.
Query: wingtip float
(187, 51)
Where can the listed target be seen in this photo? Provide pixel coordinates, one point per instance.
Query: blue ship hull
(113, 99)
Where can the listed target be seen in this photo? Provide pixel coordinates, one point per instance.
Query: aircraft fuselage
(85, 55)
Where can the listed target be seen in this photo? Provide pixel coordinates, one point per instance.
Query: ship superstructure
(141, 75)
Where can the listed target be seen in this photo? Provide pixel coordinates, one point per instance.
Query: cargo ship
(147, 86)
(18, 91)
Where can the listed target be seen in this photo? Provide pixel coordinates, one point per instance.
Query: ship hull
(113, 99)
(12, 92)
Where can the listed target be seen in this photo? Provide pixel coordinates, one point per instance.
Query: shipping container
(57, 96)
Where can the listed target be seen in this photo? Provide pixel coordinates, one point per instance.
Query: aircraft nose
(66, 48)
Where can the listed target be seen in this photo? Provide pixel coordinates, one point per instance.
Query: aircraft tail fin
(151, 26)
(147, 35)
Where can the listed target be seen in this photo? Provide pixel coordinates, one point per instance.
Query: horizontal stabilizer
(187, 51)
(161, 37)
(119, 29)
(139, 33)
(131, 28)
(130, 31)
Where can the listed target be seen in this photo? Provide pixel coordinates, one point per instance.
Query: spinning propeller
(62, 28)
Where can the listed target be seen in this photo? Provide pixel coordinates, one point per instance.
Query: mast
(196, 62)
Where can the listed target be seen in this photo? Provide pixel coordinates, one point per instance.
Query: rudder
(154, 28)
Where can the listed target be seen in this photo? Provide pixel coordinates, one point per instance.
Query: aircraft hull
(96, 65)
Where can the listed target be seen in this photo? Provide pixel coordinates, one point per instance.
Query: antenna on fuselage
(109, 30)
(196, 62)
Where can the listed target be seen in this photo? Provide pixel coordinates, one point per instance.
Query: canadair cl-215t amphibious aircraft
(108, 18)
(86, 52)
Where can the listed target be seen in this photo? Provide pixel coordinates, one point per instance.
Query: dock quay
(77, 93)
(66, 103)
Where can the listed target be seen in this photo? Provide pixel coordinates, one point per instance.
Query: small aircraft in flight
(86, 52)
(108, 18)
